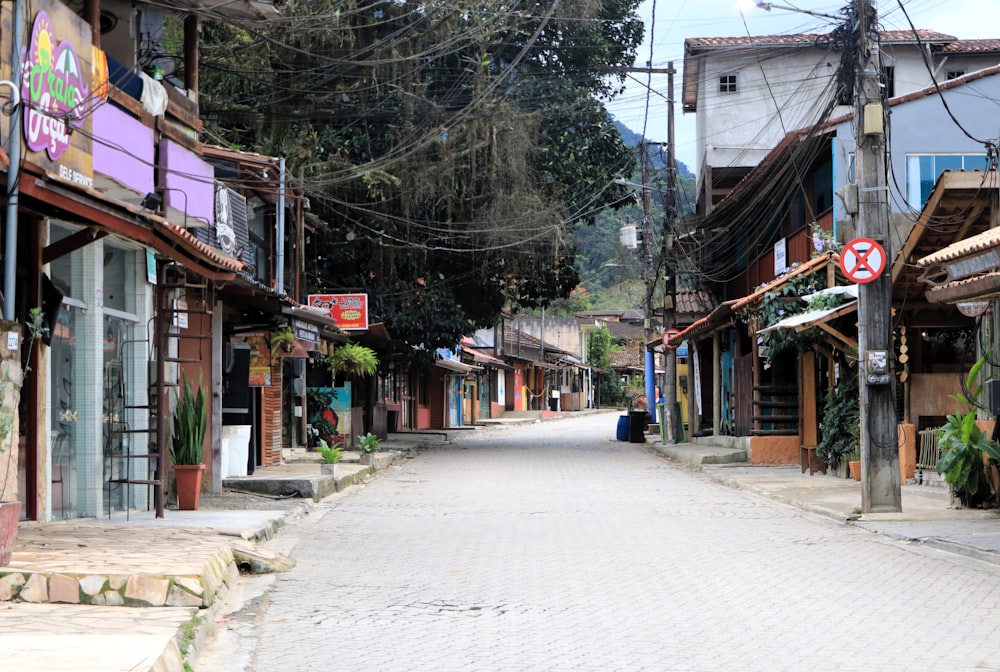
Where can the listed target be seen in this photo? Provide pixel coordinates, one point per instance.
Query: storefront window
(99, 353)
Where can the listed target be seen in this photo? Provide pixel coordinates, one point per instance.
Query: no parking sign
(667, 335)
(862, 260)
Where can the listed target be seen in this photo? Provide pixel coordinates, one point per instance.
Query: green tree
(599, 348)
(449, 150)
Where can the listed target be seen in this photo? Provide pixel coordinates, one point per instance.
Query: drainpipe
(13, 170)
(279, 247)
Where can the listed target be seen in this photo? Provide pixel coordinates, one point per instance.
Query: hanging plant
(283, 339)
(783, 302)
(353, 360)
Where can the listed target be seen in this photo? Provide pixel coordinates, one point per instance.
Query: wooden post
(670, 285)
(880, 485)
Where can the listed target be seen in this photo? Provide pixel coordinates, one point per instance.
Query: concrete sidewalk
(70, 577)
(131, 592)
(927, 515)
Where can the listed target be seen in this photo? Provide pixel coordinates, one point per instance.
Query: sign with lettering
(55, 91)
(349, 311)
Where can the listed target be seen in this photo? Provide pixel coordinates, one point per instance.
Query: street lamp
(768, 6)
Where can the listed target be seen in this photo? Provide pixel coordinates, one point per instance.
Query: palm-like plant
(964, 445)
(353, 360)
(190, 423)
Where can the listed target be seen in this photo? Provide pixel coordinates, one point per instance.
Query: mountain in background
(632, 139)
(611, 276)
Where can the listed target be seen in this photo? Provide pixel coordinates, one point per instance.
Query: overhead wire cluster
(722, 247)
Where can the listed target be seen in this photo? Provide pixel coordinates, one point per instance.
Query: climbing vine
(781, 302)
(840, 429)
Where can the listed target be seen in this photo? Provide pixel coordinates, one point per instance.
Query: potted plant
(188, 443)
(840, 428)
(367, 446)
(12, 373)
(965, 448)
(351, 359)
(332, 455)
(283, 339)
(854, 464)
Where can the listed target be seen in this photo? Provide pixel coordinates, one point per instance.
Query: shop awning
(104, 215)
(965, 270)
(486, 359)
(303, 312)
(818, 318)
(456, 366)
(955, 242)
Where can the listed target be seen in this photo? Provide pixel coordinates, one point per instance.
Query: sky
(643, 107)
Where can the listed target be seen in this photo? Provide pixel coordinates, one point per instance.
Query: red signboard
(349, 311)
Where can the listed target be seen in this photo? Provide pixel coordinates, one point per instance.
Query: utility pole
(648, 283)
(671, 417)
(880, 491)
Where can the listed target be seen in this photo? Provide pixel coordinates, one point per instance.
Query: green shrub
(331, 454)
(965, 448)
(367, 444)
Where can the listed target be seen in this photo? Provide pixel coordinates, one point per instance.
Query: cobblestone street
(554, 547)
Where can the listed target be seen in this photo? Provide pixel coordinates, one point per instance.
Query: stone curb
(839, 516)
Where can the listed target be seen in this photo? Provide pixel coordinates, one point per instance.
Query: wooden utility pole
(648, 282)
(671, 416)
(880, 486)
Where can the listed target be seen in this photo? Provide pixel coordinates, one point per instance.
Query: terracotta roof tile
(986, 240)
(216, 256)
(904, 36)
(693, 45)
(970, 47)
(695, 302)
(696, 44)
(810, 266)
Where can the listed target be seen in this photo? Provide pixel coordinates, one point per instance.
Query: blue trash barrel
(623, 428)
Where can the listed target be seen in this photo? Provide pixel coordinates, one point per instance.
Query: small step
(301, 456)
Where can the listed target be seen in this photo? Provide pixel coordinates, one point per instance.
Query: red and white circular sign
(667, 335)
(862, 260)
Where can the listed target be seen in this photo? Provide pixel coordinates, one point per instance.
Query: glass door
(65, 468)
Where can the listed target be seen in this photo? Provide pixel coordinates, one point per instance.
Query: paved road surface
(554, 547)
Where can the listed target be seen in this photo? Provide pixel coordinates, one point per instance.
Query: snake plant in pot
(188, 443)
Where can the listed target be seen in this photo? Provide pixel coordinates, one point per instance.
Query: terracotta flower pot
(855, 467)
(10, 512)
(188, 478)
